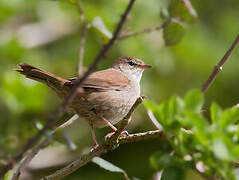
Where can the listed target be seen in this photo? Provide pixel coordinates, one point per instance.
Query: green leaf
(100, 26)
(194, 100)
(220, 149)
(173, 33)
(160, 160)
(183, 10)
(186, 140)
(215, 112)
(235, 152)
(107, 165)
(229, 117)
(197, 120)
(173, 173)
(6, 177)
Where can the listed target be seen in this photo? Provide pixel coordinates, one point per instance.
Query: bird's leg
(107, 122)
(123, 133)
(93, 137)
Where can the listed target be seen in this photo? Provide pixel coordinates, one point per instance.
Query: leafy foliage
(191, 135)
(178, 13)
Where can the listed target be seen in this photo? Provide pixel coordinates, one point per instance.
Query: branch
(67, 123)
(59, 112)
(100, 150)
(154, 120)
(218, 66)
(143, 31)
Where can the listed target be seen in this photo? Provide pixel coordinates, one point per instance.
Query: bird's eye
(131, 63)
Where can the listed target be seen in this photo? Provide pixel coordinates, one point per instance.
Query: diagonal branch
(60, 111)
(218, 67)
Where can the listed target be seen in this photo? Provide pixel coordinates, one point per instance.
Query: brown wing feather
(109, 79)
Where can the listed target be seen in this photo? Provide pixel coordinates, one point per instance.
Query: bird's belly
(112, 105)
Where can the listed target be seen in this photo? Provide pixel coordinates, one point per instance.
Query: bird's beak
(145, 66)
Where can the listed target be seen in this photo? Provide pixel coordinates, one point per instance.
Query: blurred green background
(47, 34)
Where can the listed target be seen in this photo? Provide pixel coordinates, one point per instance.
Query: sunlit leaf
(173, 33)
(220, 149)
(197, 120)
(100, 26)
(194, 100)
(107, 165)
(229, 116)
(215, 112)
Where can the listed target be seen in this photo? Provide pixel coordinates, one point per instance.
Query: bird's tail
(54, 82)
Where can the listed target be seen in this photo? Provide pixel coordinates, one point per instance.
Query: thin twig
(69, 122)
(141, 136)
(218, 67)
(60, 111)
(81, 11)
(190, 8)
(146, 30)
(154, 120)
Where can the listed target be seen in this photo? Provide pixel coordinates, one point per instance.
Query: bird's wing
(109, 79)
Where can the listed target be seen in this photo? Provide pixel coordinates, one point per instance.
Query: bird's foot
(123, 134)
(94, 147)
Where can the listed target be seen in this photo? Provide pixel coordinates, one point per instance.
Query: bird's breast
(113, 105)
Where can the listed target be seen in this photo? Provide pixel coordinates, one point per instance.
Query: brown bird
(105, 97)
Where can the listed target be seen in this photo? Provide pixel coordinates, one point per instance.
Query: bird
(104, 97)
